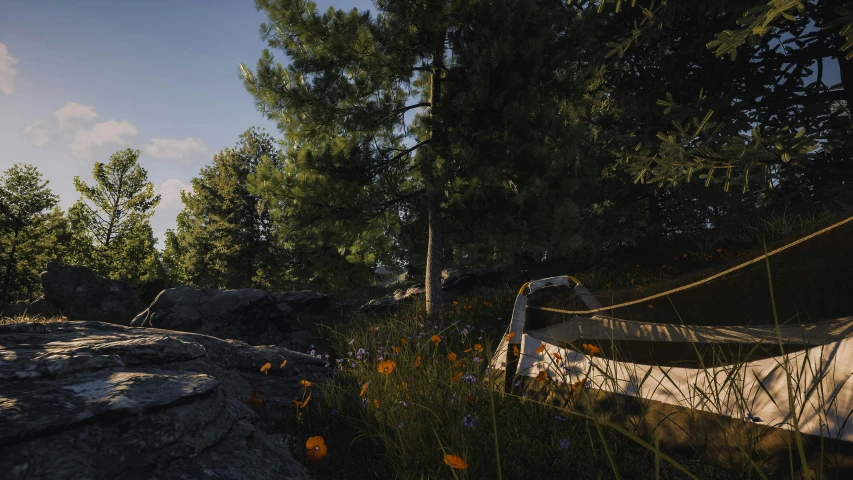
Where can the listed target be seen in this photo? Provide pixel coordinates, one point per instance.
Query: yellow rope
(685, 287)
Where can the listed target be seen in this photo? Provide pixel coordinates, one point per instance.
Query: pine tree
(24, 199)
(113, 235)
(225, 237)
(349, 175)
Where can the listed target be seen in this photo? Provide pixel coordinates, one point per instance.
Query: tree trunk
(8, 274)
(846, 69)
(434, 190)
(114, 213)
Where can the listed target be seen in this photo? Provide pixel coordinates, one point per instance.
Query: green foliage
(27, 231)
(225, 236)
(751, 121)
(495, 145)
(112, 236)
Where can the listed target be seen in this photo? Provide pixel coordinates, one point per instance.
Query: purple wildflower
(564, 444)
(468, 421)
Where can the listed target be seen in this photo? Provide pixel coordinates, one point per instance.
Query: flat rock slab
(91, 400)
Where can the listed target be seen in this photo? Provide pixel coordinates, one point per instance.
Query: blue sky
(82, 79)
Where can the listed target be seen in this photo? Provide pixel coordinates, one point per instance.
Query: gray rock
(400, 296)
(79, 294)
(87, 400)
(454, 282)
(302, 338)
(303, 300)
(247, 314)
(467, 278)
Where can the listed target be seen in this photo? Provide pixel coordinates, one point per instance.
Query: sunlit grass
(24, 318)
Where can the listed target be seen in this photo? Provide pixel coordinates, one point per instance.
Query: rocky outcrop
(453, 282)
(391, 302)
(460, 280)
(249, 315)
(94, 400)
(302, 301)
(76, 292)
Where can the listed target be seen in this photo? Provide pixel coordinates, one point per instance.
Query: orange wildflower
(404, 341)
(386, 367)
(515, 350)
(543, 376)
(363, 389)
(510, 336)
(592, 349)
(283, 364)
(456, 377)
(305, 383)
(302, 403)
(478, 347)
(418, 361)
(541, 348)
(403, 386)
(376, 403)
(466, 350)
(315, 449)
(455, 462)
(455, 302)
(396, 349)
(557, 356)
(435, 339)
(266, 367)
(451, 356)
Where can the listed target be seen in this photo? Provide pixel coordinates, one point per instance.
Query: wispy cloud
(74, 112)
(100, 134)
(174, 148)
(169, 208)
(37, 133)
(7, 71)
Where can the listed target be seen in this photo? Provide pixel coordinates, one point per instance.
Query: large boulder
(302, 301)
(95, 400)
(247, 314)
(78, 293)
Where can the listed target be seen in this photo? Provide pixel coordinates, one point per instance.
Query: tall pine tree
(351, 170)
(24, 218)
(225, 237)
(110, 232)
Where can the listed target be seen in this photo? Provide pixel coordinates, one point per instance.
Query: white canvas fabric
(823, 373)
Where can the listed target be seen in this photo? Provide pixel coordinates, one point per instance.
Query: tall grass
(405, 421)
